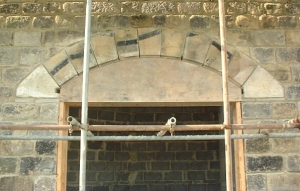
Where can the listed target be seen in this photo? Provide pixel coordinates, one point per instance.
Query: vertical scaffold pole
(84, 107)
(228, 160)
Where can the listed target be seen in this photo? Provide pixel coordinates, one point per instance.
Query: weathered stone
(177, 21)
(284, 110)
(289, 54)
(11, 8)
(264, 164)
(17, 21)
(45, 147)
(37, 165)
(215, 21)
(240, 37)
(105, 7)
(261, 85)
(213, 57)
(8, 56)
(140, 21)
(45, 183)
(33, 56)
(255, 8)
(43, 22)
(19, 111)
(257, 145)
(293, 163)
(130, 7)
(236, 8)
(28, 8)
(292, 92)
(199, 21)
(287, 21)
(269, 37)
(257, 182)
(65, 38)
(189, 8)
(285, 145)
(5, 38)
(64, 22)
(273, 8)
(8, 165)
(268, 21)
(196, 47)
(14, 75)
(247, 22)
(257, 110)
(172, 43)
(281, 73)
(293, 8)
(51, 7)
(118, 21)
(159, 20)
(149, 41)
(127, 43)
(27, 38)
(48, 38)
(74, 8)
(17, 147)
(6, 93)
(49, 111)
(263, 55)
(158, 7)
(104, 48)
(16, 183)
(211, 7)
(279, 182)
(293, 37)
(38, 84)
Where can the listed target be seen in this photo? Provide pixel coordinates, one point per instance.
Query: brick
(293, 8)
(273, 8)
(10, 8)
(138, 188)
(176, 146)
(263, 55)
(236, 8)
(91, 176)
(177, 187)
(177, 21)
(199, 165)
(37, 165)
(292, 92)
(8, 165)
(285, 145)
(130, 7)
(96, 166)
(197, 187)
(284, 110)
(19, 111)
(268, 21)
(153, 176)
(257, 145)
(136, 166)
(113, 166)
(145, 156)
(158, 187)
(264, 164)
(270, 37)
(293, 163)
(73, 8)
(255, 8)
(287, 22)
(43, 22)
(289, 54)
(73, 154)
(199, 21)
(213, 145)
(16, 183)
(257, 182)
(185, 155)
(120, 187)
(165, 156)
(286, 181)
(196, 175)
(51, 7)
(189, 8)
(158, 7)
(255, 110)
(160, 165)
(6, 93)
(179, 165)
(113, 146)
(45, 147)
(63, 22)
(207, 155)
(213, 175)
(29, 8)
(214, 165)
(122, 156)
(106, 156)
(173, 175)
(6, 38)
(95, 145)
(105, 7)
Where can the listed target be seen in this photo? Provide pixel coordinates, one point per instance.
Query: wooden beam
(239, 157)
(62, 150)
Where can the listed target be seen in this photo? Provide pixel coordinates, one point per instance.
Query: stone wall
(266, 31)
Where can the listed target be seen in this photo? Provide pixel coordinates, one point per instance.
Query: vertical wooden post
(62, 150)
(239, 158)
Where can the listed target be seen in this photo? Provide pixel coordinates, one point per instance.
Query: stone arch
(111, 48)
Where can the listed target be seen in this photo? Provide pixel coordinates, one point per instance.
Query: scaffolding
(85, 128)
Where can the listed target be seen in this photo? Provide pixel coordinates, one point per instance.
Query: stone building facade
(41, 51)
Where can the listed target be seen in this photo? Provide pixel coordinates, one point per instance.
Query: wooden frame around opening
(62, 146)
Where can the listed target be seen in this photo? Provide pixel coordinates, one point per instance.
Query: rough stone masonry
(263, 32)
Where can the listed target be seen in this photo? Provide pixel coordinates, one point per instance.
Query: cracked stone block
(16, 183)
(263, 55)
(27, 38)
(293, 163)
(284, 181)
(45, 183)
(264, 164)
(149, 41)
(270, 37)
(38, 84)
(17, 147)
(104, 47)
(172, 43)
(127, 43)
(262, 84)
(196, 47)
(256, 182)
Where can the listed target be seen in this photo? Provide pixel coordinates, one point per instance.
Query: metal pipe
(84, 106)
(152, 138)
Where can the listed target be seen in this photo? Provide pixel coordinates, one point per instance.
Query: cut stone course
(27, 38)
(285, 110)
(73, 8)
(296, 73)
(18, 111)
(211, 8)
(2, 22)
(45, 147)
(264, 164)
(257, 110)
(236, 8)
(292, 92)
(159, 20)
(130, 7)
(255, 8)
(37, 165)
(281, 72)
(158, 7)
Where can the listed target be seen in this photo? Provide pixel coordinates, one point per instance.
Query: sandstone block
(27, 38)
(14, 75)
(199, 21)
(64, 22)
(149, 41)
(33, 56)
(8, 165)
(189, 8)
(20, 111)
(51, 7)
(48, 38)
(38, 165)
(6, 93)
(159, 20)
(240, 37)
(6, 38)
(285, 145)
(43, 22)
(281, 73)
(293, 163)
(140, 21)
(28, 8)
(268, 21)
(289, 54)
(104, 48)
(263, 55)
(127, 43)
(211, 7)
(196, 47)
(177, 21)
(73, 8)
(269, 37)
(283, 181)
(287, 21)
(247, 22)
(293, 8)
(172, 43)
(105, 7)
(285, 110)
(9, 8)
(257, 182)
(15, 183)
(255, 8)
(8, 56)
(49, 112)
(293, 37)
(158, 7)
(65, 38)
(257, 145)
(17, 22)
(130, 7)
(273, 8)
(292, 92)
(45, 183)
(236, 8)
(17, 147)
(264, 164)
(118, 21)
(257, 110)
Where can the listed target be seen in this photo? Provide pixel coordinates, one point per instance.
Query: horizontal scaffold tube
(152, 138)
(116, 128)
